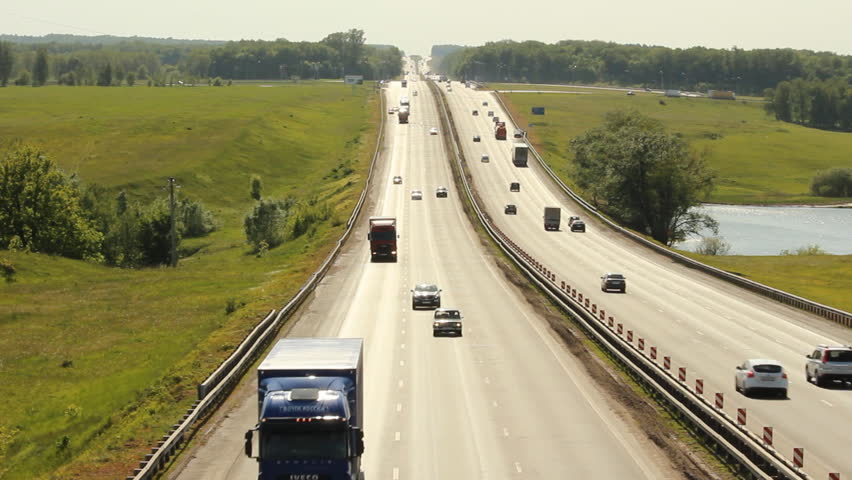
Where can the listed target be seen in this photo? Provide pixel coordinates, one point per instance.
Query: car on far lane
(484, 104)
(415, 93)
(490, 113)
(441, 192)
(476, 113)
(578, 226)
(446, 320)
(476, 138)
(761, 375)
(514, 187)
(416, 195)
(614, 281)
(510, 209)
(630, 93)
(433, 131)
(397, 180)
(485, 158)
(391, 111)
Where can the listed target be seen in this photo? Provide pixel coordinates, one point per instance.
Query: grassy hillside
(97, 362)
(758, 160)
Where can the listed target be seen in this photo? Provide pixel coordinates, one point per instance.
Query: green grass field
(140, 340)
(758, 160)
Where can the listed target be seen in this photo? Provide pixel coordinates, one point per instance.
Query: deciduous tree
(644, 176)
(6, 62)
(40, 70)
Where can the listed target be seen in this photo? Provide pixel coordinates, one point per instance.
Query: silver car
(425, 295)
(829, 363)
(417, 195)
(761, 375)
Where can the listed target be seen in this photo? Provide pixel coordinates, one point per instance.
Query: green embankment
(758, 160)
(135, 343)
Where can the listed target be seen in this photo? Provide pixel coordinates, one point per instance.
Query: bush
(309, 216)
(266, 223)
(196, 220)
(217, 82)
(805, 251)
(713, 246)
(7, 269)
(836, 182)
(24, 79)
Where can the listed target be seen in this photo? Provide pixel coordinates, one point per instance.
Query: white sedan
(484, 158)
(416, 195)
(760, 374)
(433, 131)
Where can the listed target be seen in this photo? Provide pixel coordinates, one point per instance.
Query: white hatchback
(417, 195)
(760, 374)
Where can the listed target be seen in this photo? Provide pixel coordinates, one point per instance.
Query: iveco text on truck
(382, 238)
(552, 216)
(520, 152)
(310, 410)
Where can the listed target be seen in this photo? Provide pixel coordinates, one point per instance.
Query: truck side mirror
(356, 436)
(248, 443)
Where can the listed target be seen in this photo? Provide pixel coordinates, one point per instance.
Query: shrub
(713, 246)
(7, 269)
(836, 182)
(197, 221)
(805, 251)
(266, 223)
(24, 79)
(309, 216)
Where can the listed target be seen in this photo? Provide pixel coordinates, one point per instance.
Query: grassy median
(97, 362)
(759, 160)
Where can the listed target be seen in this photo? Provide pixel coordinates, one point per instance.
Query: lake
(753, 230)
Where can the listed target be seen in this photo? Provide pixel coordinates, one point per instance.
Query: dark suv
(614, 281)
(827, 364)
(426, 295)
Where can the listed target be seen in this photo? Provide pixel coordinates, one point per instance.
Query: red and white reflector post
(833, 476)
(720, 400)
(767, 435)
(681, 374)
(620, 328)
(667, 362)
(798, 457)
(641, 344)
(653, 353)
(699, 386)
(741, 417)
(630, 336)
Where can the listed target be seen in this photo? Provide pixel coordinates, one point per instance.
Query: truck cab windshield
(318, 444)
(382, 236)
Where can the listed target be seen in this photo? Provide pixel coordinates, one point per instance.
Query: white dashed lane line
(518, 467)
(505, 432)
(396, 436)
(398, 407)
(827, 403)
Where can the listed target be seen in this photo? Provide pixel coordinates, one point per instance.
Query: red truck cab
(500, 131)
(382, 238)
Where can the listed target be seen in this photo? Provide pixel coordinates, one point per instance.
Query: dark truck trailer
(382, 238)
(520, 154)
(310, 410)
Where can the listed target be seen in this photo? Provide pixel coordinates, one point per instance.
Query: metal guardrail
(740, 446)
(834, 314)
(225, 378)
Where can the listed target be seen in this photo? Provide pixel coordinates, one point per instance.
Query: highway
(702, 323)
(506, 400)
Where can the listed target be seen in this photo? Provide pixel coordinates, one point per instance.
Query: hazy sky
(416, 26)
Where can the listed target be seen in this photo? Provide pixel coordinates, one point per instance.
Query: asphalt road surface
(703, 324)
(504, 401)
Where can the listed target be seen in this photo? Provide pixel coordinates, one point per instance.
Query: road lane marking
(396, 436)
(403, 331)
(494, 403)
(699, 332)
(518, 467)
(825, 402)
(402, 363)
(395, 473)
(402, 346)
(398, 407)
(505, 432)
(401, 383)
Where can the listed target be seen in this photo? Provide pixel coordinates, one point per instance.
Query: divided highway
(702, 323)
(503, 401)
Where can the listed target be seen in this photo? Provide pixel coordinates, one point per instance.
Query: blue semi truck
(310, 410)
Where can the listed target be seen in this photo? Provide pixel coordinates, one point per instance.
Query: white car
(397, 180)
(433, 131)
(484, 158)
(760, 374)
(416, 195)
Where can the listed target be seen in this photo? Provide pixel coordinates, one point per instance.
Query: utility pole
(173, 231)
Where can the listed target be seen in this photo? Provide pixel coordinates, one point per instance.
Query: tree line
(824, 104)
(696, 68)
(162, 63)
(43, 209)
